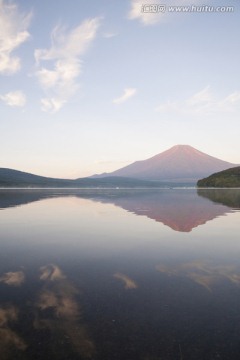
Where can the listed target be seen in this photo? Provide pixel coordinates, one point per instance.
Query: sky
(90, 86)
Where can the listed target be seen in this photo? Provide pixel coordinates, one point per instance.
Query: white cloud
(13, 32)
(202, 97)
(139, 11)
(150, 12)
(128, 93)
(14, 98)
(232, 99)
(51, 104)
(202, 103)
(64, 56)
(109, 35)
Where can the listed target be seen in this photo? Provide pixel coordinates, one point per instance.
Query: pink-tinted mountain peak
(180, 163)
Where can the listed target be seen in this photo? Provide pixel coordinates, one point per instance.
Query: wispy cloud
(150, 12)
(13, 32)
(109, 35)
(14, 98)
(204, 102)
(128, 93)
(59, 80)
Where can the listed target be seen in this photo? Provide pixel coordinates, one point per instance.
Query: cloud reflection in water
(9, 340)
(128, 283)
(55, 309)
(13, 278)
(59, 311)
(203, 273)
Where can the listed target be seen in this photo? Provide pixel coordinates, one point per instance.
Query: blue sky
(91, 86)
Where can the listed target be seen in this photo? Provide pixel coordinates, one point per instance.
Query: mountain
(229, 178)
(14, 178)
(181, 163)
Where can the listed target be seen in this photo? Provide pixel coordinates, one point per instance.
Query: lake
(120, 274)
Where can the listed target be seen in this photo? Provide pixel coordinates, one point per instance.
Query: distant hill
(228, 178)
(15, 178)
(181, 163)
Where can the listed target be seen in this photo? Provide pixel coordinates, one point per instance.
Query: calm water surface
(120, 274)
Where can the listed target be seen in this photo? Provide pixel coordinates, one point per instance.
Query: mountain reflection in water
(180, 209)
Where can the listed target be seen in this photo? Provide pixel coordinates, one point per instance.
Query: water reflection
(128, 283)
(13, 278)
(59, 311)
(203, 273)
(228, 197)
(181, 210)
(10, 341)
(12, 198)
(55, 311)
